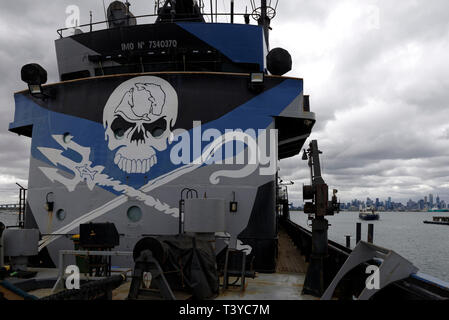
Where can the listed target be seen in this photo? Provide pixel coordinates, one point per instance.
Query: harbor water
(426, 245)
(9, 218)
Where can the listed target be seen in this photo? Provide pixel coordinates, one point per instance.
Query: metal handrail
(61, 31)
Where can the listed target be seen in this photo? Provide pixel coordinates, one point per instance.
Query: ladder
(22, 206)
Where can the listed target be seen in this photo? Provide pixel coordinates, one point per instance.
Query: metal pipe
(61, 31)
(358, 233)
(263, 10)
(316, 163)
(20, 208)
(264, 21)
(90, 12)
(181, 206)
(61, 265)
(211, 12)
(105, 14)
(232, 11)
(370, 233)
(2, 258)
(314, 283)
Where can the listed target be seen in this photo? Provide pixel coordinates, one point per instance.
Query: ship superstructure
(160, 148)
(143, 111)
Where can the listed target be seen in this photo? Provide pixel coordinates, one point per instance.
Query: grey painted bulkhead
(153, 222)
(82, 200)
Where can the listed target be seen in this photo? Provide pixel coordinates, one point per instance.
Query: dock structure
(439, 220)
(12, 206)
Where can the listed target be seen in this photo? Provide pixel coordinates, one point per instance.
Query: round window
(134, 214)
(66, 137)
(60, 214)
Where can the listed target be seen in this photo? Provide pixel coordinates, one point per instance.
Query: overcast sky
(377, 73)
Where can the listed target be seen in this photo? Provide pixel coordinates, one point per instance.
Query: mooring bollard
(371, 233)
(358, 233)
(348, 241)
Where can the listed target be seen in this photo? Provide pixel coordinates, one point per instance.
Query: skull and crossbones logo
(138, 119)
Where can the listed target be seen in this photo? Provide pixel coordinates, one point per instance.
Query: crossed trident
(84, 172)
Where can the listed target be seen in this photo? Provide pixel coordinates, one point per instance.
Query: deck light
(233, 205)
(257, 82)
(35, 76)
(35, 89)
(257, 77)
(49, 202)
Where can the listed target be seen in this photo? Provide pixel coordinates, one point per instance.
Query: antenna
(211, 12)
(263, 15)
(105, 14)
(90, 12)
(127, 4)
(253, 5)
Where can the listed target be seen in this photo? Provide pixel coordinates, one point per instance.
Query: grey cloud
(384, 103)
(380, 95)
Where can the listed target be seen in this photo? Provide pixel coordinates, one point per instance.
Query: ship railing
(418, 285)
(282, 193)
(59, 284)
(90, 26)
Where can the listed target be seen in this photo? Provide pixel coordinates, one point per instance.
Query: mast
(264, 15)
(264, 21)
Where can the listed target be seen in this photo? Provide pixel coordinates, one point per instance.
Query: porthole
(60, 214)
(134, 214)
(66, 137)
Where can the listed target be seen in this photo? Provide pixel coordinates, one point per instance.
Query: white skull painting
(138, 119)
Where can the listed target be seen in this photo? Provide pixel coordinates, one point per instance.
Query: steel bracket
(147, 263)
(392, 268)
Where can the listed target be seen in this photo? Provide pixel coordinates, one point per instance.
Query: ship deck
(285, 284)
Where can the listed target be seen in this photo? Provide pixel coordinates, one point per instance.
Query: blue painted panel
(240, 43)
(255, 114)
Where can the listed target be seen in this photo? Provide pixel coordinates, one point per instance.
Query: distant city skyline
(389, 204)
(424, 203)
(424, 197)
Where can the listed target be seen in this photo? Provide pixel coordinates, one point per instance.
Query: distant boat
(368, 214)
(439, 220)
(435, 209)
